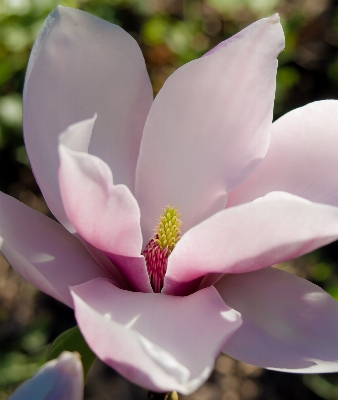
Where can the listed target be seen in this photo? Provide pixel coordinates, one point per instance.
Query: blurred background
(170, 33)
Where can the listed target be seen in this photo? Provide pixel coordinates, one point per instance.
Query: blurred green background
(170, 33)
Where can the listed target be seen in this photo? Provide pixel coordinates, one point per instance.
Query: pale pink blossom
(250, 193)
(59, 379)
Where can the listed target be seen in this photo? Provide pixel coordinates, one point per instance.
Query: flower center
(166, 234)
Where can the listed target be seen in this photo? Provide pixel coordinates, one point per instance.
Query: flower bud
(59, 379)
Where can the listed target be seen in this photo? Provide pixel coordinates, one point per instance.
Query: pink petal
(105, 215)
(208, 128)
(107, 264)
(77, 137)
(289, 324)
(81, 65)
(59, 379)
(302, 157)
(162, 343)
(248, 237)
(134, 270)
(42, 251)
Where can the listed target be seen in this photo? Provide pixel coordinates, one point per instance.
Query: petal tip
(274, 19)
(60, 9)
(70, 363)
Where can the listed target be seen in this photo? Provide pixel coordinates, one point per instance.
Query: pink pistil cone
(156, 260)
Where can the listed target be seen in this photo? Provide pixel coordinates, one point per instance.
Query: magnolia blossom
(59, 379)
(228, 193)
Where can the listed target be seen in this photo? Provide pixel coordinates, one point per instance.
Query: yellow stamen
(167, 232)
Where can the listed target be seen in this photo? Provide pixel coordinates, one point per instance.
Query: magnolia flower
(60, 379)
(158, 298)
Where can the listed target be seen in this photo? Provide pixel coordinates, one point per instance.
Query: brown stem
(162, 396)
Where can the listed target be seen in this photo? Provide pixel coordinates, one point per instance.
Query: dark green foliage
(72, 340)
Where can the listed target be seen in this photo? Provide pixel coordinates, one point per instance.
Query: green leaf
(72, 340)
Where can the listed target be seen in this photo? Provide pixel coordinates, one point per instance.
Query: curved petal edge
(289, 324)
(251, 236)
(43, 251)
(162, 343)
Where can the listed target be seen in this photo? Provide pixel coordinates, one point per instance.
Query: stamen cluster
(168, 228)
(156, 253)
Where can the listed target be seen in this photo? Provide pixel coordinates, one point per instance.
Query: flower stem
(162, 396)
